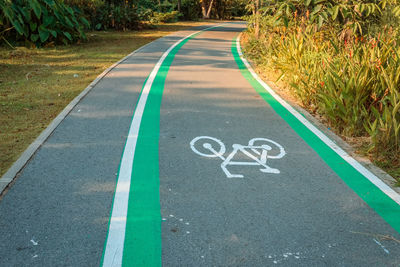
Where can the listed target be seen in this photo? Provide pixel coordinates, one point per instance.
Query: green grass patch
(36, 84)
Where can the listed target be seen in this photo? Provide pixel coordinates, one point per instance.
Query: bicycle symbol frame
(260, 159)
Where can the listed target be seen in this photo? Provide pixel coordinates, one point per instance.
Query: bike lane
(304, 215)
(56, 212)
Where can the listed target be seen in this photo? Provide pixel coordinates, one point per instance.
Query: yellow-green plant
(354, 83)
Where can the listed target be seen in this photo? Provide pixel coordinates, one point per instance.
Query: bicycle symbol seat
(257, 152)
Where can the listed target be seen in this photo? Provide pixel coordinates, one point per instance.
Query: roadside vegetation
(341, 60)
(52, 49)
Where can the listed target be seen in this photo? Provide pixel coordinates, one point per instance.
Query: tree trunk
(179, 5)
(206, 10)
(159, 6)
(209, 9)
(257, 26)
(203, 8)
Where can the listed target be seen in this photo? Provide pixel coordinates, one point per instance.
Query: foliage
(223, 9)
(118, 15)
(191, 10)
(351, 78)
(164, 17)
(239, 8)
(133, 14)
(351, 14)
(41, 21)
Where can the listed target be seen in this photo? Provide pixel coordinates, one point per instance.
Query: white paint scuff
(382, 246)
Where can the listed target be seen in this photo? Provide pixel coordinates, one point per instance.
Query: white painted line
(343, 154)
(116, 234)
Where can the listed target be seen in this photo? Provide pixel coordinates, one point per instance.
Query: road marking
(147, 246)
(378, 195)
(382, 246)
(259, 159)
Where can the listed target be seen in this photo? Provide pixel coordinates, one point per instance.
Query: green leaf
(334, 46)
(33, 26)
(286, 21)
(34, 37)
(36, 8)
(69, 23)
(25, 13)
(68, 35)
(54, 33)
(58, 15)
(43, 34)
(70, 10)
(85, 22)
(18, 27)
(82, 34)
(335, 12)
(396, 109)
(8, 12)
(75, 21)
(320, 21)
(48, 20)
(98, 26)
(49, 2)
(316, 10)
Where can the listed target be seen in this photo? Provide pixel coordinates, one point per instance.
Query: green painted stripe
(119, 168)
(142, 245)
(387, 208)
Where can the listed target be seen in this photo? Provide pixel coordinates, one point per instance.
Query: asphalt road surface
(178, 157)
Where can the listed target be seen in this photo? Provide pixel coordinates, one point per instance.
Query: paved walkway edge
(363, 165)
(369, 187)
(14, 170)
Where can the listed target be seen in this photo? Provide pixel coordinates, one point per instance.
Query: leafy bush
(117, 15)
(191, 10)
(351, 79)
(41, 21)
(164, 17)
(91, 9)
(352, 14)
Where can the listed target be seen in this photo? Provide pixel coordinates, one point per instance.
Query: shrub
(164, 17)
(41, 21)
(117, 15)
(191, 10)
(91, 9)
(353, 81)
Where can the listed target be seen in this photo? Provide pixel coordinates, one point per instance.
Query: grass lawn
(36, 84)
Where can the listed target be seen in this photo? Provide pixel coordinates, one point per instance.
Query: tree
(206, 7)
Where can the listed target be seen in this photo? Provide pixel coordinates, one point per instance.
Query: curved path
(214, 171)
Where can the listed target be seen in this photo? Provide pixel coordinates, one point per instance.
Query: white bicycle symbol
(257, 153)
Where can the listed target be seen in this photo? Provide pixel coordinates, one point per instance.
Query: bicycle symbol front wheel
(208, 144)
